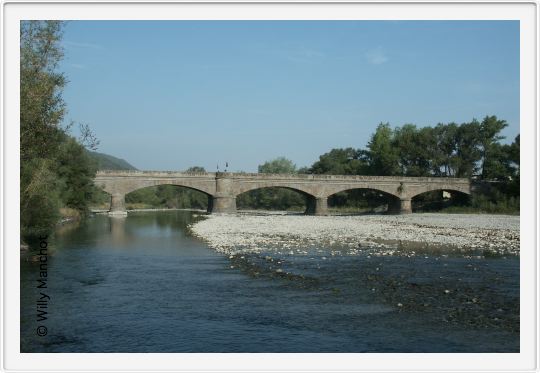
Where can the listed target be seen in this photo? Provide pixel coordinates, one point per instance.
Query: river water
(143, 284)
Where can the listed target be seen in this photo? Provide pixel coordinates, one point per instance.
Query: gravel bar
(349, 235)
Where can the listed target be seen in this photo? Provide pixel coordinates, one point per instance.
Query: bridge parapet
(259, 176)
(135, 173)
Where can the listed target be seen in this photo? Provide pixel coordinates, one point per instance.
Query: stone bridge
(222, 188)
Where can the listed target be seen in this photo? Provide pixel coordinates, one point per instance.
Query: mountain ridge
(109, 162)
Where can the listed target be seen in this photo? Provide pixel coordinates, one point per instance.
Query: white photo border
(15, 11)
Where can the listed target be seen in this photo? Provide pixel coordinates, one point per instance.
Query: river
(144, 284)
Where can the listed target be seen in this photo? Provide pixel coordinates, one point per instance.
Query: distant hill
(108, 162)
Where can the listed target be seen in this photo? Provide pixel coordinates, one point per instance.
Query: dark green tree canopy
(384, 157)
(347, 161)
(280, 165)
(196, 169)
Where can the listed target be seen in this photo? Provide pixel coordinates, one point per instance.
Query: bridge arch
(119, 190)
(373, 195)
(276, 197)
(435, 199)
(418, 192)
(417, 188)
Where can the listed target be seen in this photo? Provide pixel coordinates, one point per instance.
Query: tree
(42, 106)
(468, 152)
(76, 171)
(383, 156)
(40, 199)
(514, 151)
(280, 165)
(196, 169)
(513, 156)
(489, 136)
(416, 149)
(42, 110)
(445, 149)
(55, 168)
(347, 161)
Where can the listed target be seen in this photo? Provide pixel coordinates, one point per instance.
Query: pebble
(244, 233)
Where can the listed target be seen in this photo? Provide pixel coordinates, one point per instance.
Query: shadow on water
(144, 284)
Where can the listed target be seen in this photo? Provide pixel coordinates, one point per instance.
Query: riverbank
(410, 235)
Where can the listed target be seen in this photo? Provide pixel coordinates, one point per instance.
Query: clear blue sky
(167, 95)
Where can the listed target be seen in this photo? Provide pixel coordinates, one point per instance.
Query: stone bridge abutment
(223, 188)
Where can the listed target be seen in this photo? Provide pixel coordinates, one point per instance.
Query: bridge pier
(224, 201)
(405, 206)
(400, 206)
(118, 205)
(317, 206)
(223, 204)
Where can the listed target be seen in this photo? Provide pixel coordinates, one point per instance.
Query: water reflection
(118, 230)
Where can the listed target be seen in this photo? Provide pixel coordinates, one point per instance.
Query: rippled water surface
(143, 284)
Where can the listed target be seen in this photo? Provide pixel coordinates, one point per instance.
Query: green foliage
(358, 199)
(280, 165)
(55, 169)
(514, 152)
(467, 153)
(445, 148)
(416, 149)
(384, 157)
(40, 200)
(144, 195)
(347, 161)
(42, 106)
(76, 170)
(271, 199)
(100, 199)
(167, 196)
(498, 203)
(196, 169)
(489, 146)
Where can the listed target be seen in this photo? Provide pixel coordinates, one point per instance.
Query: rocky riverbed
(380, 235)
(456, 272)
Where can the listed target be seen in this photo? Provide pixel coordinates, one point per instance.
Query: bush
(493, 203)
(40, 200)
